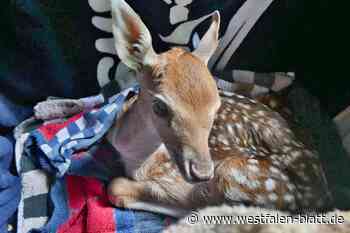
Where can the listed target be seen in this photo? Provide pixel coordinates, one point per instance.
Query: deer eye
(160, 108)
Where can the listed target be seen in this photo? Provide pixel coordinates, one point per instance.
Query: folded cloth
(64, 169)
(10, 186)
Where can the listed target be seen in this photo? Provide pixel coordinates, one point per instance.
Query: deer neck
(134, 135)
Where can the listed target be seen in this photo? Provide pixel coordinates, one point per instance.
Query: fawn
(185, 144)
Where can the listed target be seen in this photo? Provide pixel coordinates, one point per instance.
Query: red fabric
(50, 130)
(90, 211)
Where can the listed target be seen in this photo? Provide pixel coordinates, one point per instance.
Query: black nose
(201, 171)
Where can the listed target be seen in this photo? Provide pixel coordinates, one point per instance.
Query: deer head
(177, 87)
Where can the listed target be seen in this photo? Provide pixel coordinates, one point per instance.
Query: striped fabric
(238, 28)
(253, 84)
(33, 208)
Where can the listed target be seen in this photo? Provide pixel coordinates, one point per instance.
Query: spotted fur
(241, 150)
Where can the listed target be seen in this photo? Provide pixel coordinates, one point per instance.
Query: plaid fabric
(64, 171)
(78, 133)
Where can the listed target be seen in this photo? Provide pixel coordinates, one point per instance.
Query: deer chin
(188, 168)
(195, 175)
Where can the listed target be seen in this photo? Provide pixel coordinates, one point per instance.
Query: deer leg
(237, 179)
(167, 194)
(156, 186)
(148, 195)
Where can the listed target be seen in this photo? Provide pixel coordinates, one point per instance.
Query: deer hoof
(121, 201)
(122, 192)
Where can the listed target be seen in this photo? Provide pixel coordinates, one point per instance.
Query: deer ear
(133, 41)
(210, 40)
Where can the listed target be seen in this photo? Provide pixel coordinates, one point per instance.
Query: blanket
(9, 184)
(64, 169)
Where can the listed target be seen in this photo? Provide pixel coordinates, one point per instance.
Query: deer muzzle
(200, 170)
(198, 165)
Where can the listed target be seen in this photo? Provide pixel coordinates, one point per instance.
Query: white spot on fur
(273, 197)
(230, 129)
(270, 184)
(253, 184)
(223, 139)
(236, 194)
(299, 196)
(288, 197)
(239, 96)
(286, 149)
(253, 168)
(261, 113)
(260, 199)
(226, 93)
(255, 125)
(172, 173)
(241, 149)
(315, 167)
(276, 162)
(286, 140)
(253, 161)
(309, 153)
(274, 170)
(252, 101)
(296, 153)
(284, 177)
(296, 144)
(290, 187)
(230, 101)
(223, 116)
(239, 176)
(167, 165)
(245, 106)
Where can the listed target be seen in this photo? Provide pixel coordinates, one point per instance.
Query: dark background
(293, 35)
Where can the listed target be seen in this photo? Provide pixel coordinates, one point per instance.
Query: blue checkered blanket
(65, 168)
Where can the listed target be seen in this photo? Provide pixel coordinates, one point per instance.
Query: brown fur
(241, 150)
(196, 89)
